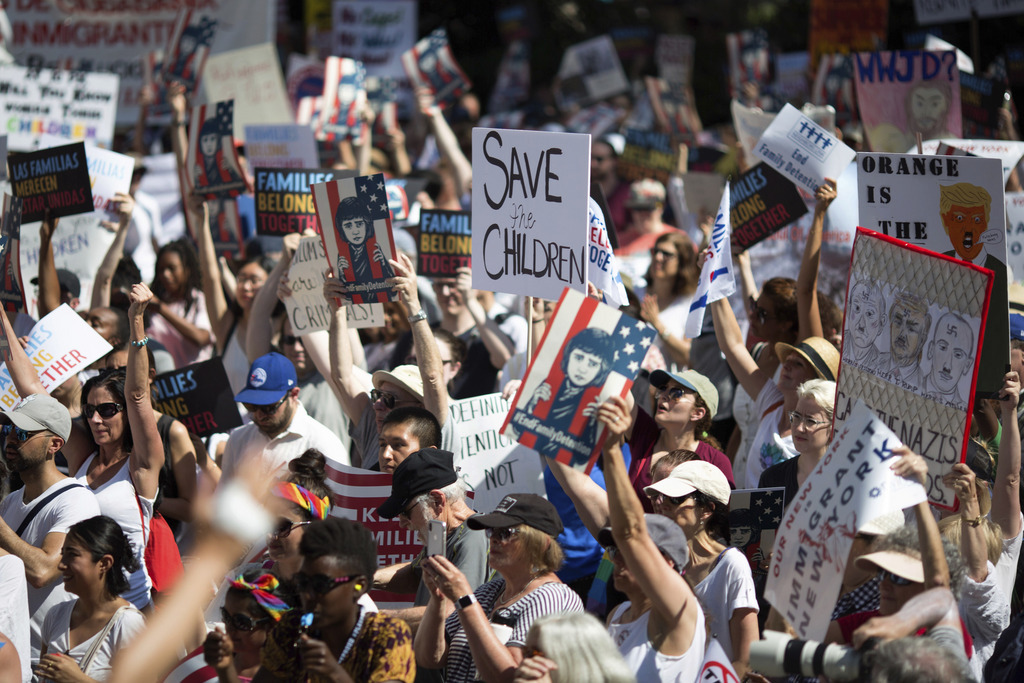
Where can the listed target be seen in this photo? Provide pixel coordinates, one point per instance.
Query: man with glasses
(281, 429)
(35, 518)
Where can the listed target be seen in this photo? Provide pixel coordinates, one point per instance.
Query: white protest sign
(60, 346)
(852, 485)
(115, 37)
(603, 268)
(750, 124)
(492, 464)
(674, 57)
(530, 211)
(935, 44)
(1015, 234)
(803, 151)
(74, 105)
(79, 245)
(286, 145)
(252, 78)
(375, 33)
(308, 310)
(161, 183)
(110, 173)
(934, 12)
(717, 668)
(1009, 152)
(590, 71)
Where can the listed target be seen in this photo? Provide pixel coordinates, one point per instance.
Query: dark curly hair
(346, 541)
(103, 536)
(309, 471)
(112, 379)
(190, 263)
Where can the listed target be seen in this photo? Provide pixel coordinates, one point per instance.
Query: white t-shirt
(985, 610)
(767, 448)
(130, 623)
(650, 665)
(14, 609)
(59, 515)
(743, 411)
(1006, 567)
(728, 587)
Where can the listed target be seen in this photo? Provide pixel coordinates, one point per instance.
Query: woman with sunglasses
(481, 635)
(303, 498)
(671, 281)
(253, 606)
(811, 423)
(81, 636)
(333, 637)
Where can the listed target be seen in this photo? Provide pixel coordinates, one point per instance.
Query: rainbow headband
(317, 507)
(261, 589)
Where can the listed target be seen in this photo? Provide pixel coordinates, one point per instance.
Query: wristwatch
(416, 317)
(975, 523)
(465, 601)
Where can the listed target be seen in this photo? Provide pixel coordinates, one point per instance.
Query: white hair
(822, 392)
(581, 647)
(453, 493)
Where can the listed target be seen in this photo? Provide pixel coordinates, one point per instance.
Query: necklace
(506, 601)
(352, 637)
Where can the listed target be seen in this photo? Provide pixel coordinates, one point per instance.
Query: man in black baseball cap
(425, 487)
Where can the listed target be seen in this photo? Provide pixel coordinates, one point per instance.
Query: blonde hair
(822, 392)
(964, 194)
(581, 647)
(953, 530)
(542, 551)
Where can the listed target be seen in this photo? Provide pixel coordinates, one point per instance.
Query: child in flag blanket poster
(356, 229)
(589, 353)
(212, 157)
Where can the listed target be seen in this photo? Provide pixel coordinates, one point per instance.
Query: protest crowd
(318, 368)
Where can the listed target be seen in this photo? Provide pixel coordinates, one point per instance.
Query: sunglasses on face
(241, 622)
(106, 410)
(673, 393)
(289, 340)
(389, 400)
(285, 527)
(503, 535)
(894, 579)
(674, 500)
(266, 409)
(318, 584)
(663, 253)
(19, 433)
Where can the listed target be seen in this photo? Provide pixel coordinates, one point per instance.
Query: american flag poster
(431, 64)
(308, 111)
(188, 47)
(754, 518)
(673, 106)
(226, 228)
(212, 159)
(749, 60)
(12, 296)
(589, 353)
(382, 95)
(343, 99)
(355, 225)
(159, 109)
(833, 86)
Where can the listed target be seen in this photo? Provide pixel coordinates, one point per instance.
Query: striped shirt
(549, 598)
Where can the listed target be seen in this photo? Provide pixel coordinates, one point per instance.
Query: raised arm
(972, 534)
(936, 571)
(1006, 490)
(589, 499)
(351, 393)
(435, 393)
(179, 136)
(147, 456)
(209, 269)
(499, 346)
(105, 273)
(447, 143)
(49, 285)
(807, 280)
(23, 374)
(730, 341)
(261, 328)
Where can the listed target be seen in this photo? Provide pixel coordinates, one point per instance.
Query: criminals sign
(530, 211)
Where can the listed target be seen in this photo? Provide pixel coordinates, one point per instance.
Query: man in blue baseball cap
(281, 429)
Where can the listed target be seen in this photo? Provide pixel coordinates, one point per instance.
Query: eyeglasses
(19, 433)
(285, 527)
(318, 584)
(761, 314)
(106, 410)
(894, 579)
(241, 622)
(407, 512)
(673, 393)
(657, 496)
(289, 340)
(503, 535)
(664, 254)
(796, 418)
(265, 409)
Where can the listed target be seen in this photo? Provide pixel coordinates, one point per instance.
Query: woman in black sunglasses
(301, 499)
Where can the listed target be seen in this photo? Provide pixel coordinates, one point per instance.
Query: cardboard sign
(226, 228)
(590, 71)
(357, 495)
(445, 243)
(762, 202)
(912, 344)
(648, 154)
(188, 47)
(674, 57)
(307, 309)
(674, 107)
(903, 195)
(12, 294)
(56, 179)
(199, 396)
(594, 120)
(60, 345)
(901, 94)
(852, 485)
(803, 151)
(1009, 152)
(929, 12)
(283, 145)
(1015, 234)
(492, 464)
(754, 518)
(212, 160)
(530, 211)
(357, 235)
(833, 87)
(843, 26)
(430, 64)
(981, 100)
(110, 173)
(701, 191)
(589, 353)
(251, 77)
(71, 104)
(749, 60)
(375, 33)
(305, 78)
(342, 101)
(750, 124)
(382, 96)
(284, 201)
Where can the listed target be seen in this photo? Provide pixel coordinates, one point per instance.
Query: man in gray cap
(35, 518)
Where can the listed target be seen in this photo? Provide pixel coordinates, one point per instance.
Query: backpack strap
(38, 507)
